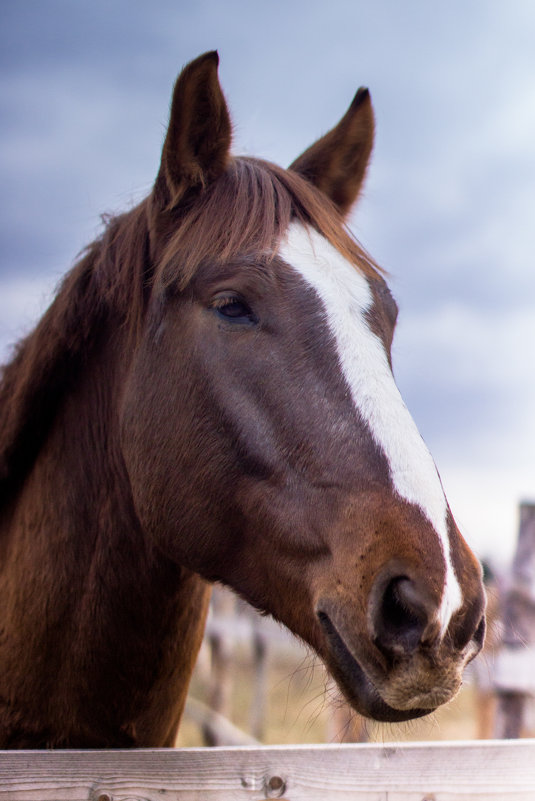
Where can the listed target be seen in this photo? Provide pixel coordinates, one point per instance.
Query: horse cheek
(164, 440)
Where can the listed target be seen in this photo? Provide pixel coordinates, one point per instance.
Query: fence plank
(490, 770)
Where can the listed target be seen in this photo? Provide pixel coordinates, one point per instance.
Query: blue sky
(448, 208)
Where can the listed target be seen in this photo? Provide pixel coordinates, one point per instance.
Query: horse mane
(108, 277)
(246, 210)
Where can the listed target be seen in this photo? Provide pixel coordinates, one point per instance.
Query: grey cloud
(448, 206)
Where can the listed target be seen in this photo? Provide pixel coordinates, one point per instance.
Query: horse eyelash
(224, 300)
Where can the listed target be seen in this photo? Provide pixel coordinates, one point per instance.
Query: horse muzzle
(399, 666)
(355, 682)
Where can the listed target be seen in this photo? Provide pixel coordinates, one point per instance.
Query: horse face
(273, 453)
(268, 446)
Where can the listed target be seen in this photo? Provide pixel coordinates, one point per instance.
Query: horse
(210, 398)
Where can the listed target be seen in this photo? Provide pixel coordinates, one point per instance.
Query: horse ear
(337, 162)
(197, 144)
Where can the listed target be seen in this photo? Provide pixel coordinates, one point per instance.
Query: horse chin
(357, 686)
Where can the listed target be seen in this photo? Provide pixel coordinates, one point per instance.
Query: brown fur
(149, 446)
(336, 169)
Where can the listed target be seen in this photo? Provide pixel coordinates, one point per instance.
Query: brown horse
(210, 398)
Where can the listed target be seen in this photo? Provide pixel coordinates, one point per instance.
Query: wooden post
(481, 671)
(221, 649)
(515, 667)
(260, 646)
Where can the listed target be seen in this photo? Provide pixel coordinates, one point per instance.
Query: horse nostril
(398, 616)
(479, 636)
(470, 632)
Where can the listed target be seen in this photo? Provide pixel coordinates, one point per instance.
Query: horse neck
(76, 491)
(73, 539)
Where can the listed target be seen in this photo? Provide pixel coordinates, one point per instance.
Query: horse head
(266, 442)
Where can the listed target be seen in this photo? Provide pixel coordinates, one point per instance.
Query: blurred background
(448, 208)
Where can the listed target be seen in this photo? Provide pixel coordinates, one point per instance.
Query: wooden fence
(461, 771)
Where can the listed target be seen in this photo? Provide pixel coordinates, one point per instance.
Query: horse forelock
(247, 212)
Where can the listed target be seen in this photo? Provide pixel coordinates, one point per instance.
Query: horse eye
(234, 309)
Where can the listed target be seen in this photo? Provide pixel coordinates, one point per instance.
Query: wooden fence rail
(460, 771)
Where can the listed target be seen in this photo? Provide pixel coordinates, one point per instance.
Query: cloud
(448, 205)
(460, 350)
(468, 378)
(22, 300)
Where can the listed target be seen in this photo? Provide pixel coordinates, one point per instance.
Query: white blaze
(346, 297)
